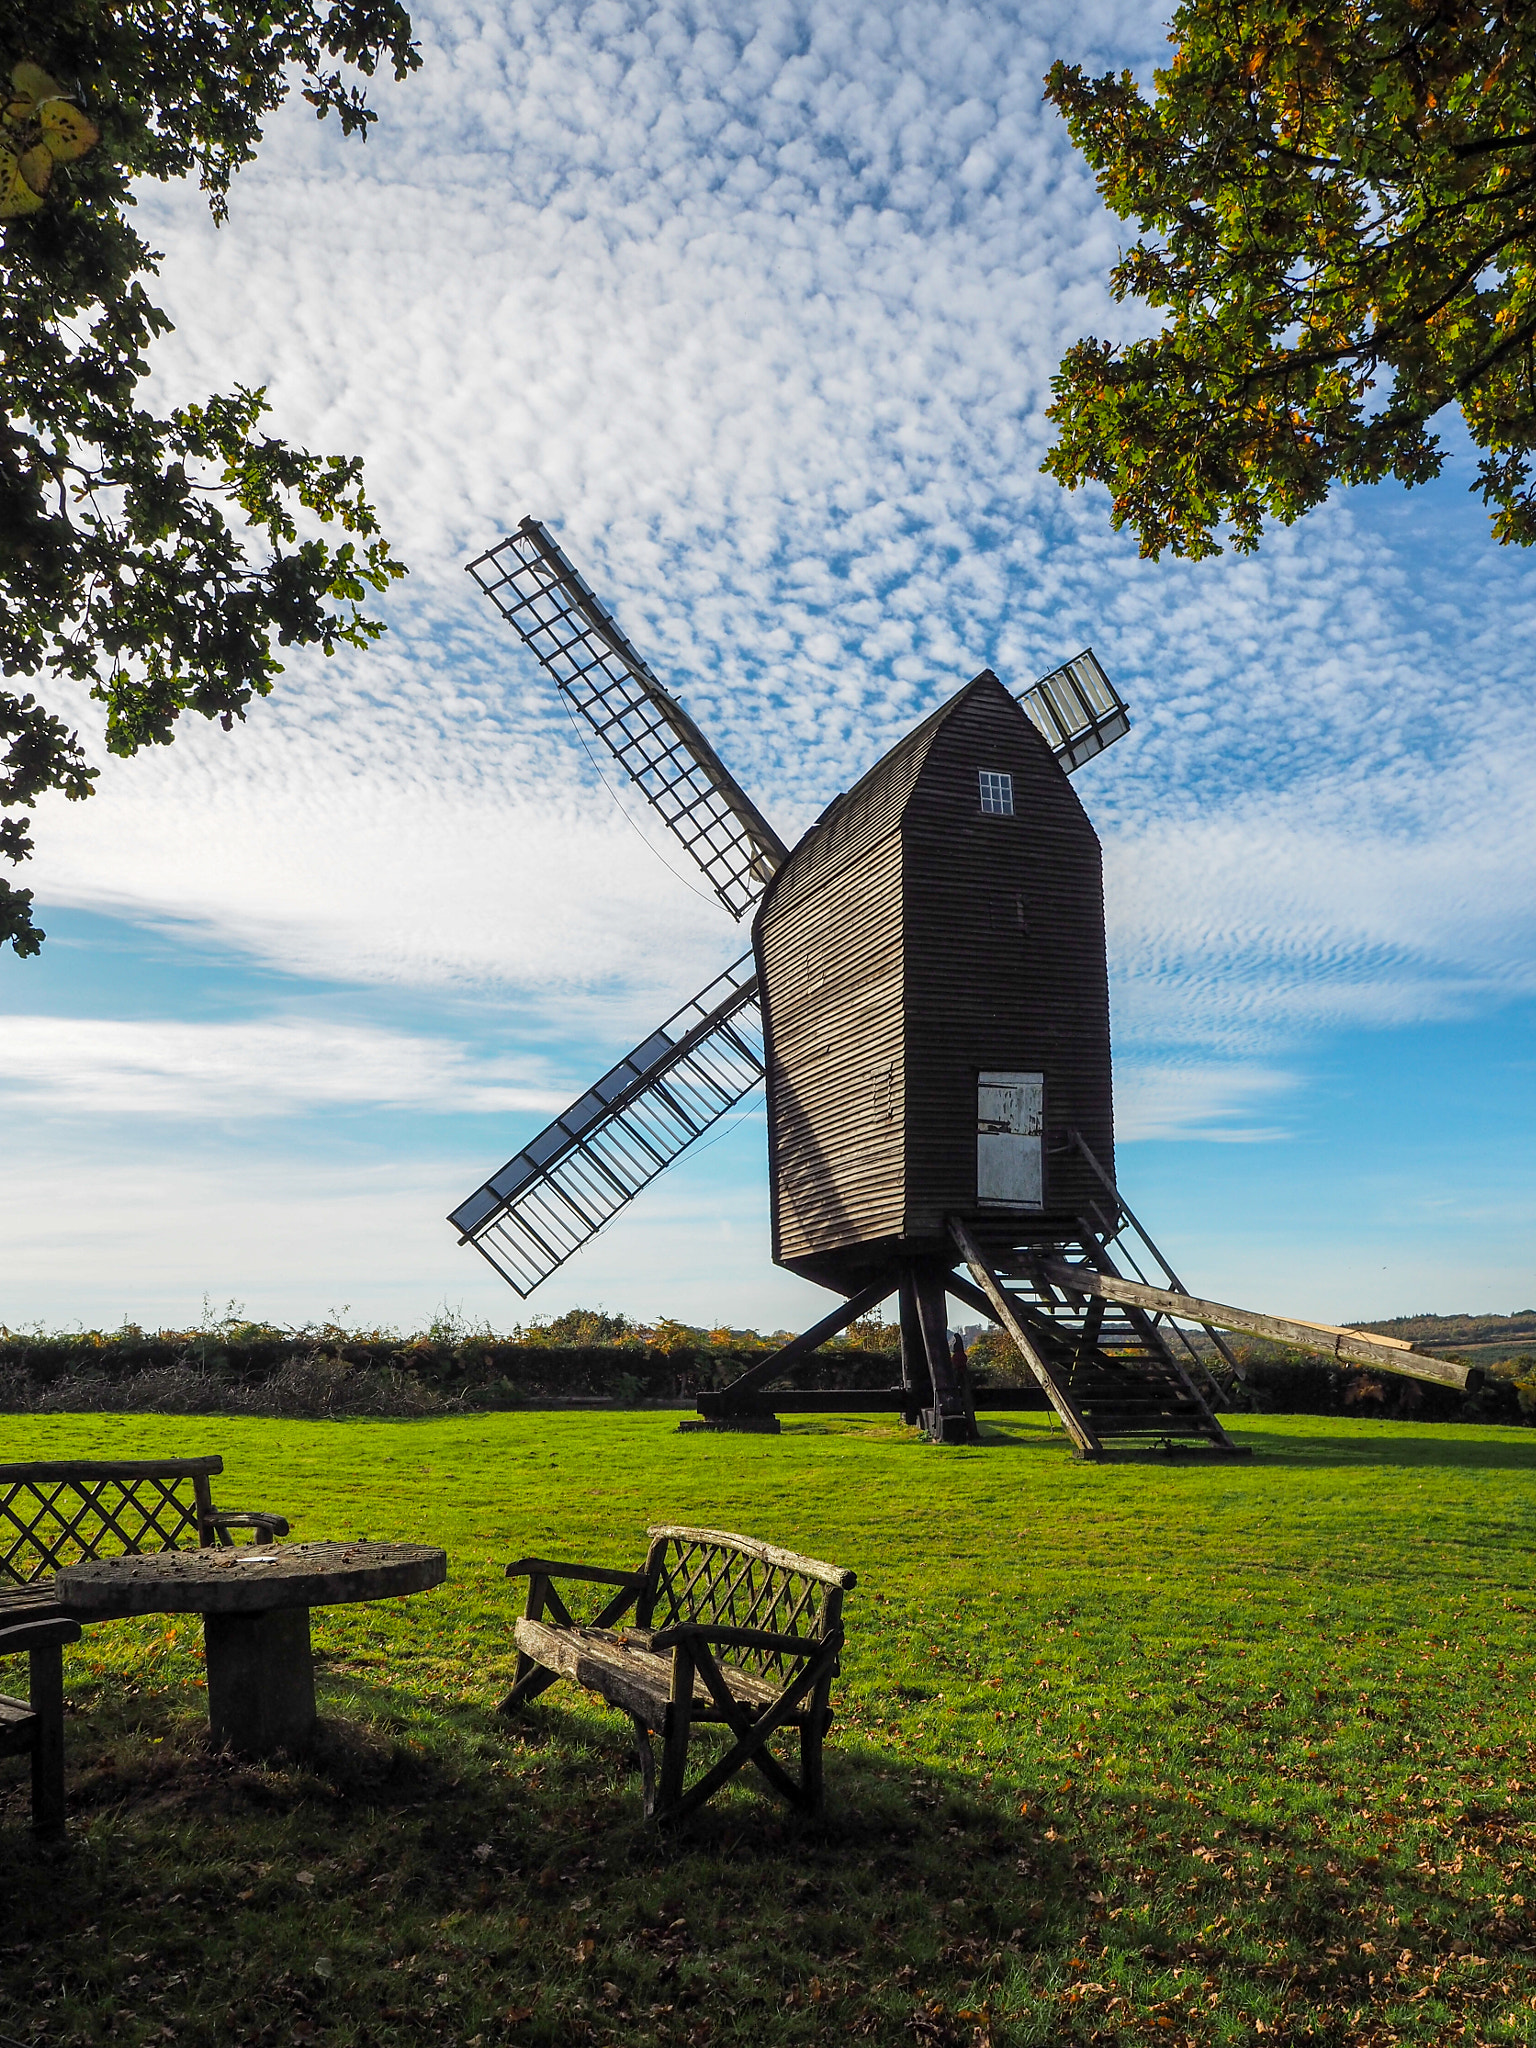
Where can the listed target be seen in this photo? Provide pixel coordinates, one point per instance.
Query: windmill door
(1010, 1140)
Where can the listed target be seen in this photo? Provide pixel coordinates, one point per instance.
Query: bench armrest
(248, 1518)
(685, 1632)
(552, 1568)
(38, 1635)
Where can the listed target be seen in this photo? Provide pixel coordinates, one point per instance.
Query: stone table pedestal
(255, 1602)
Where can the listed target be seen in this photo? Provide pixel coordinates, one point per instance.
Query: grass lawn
(1145, 1753)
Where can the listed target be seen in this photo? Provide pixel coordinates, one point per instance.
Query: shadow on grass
(1404, 1444)
(451, 1876)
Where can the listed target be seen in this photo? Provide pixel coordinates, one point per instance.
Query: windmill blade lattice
(646, 730)
(575, 1175)
(1077, 710)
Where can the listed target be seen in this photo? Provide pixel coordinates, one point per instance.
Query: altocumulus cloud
(759, 306)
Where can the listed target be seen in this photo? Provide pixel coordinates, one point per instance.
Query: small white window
(996, 793)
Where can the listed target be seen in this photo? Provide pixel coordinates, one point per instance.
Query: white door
(1010, 1140)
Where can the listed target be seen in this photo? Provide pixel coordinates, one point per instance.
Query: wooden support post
(674, 1735)
(819, 1712)
(46, 1673)
(528, 1679)
(261, 1681)
(538, 1594)
(1087, 1444)
(207, 1532)
(647, 1763)
(655, 1559)
(797, 1350)
(914, 1352)
(951, 1418)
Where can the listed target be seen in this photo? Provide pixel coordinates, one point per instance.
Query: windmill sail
(646, 730)
(575, 1175)
(1077, 710)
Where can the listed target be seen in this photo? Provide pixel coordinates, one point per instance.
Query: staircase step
(1112, 1369)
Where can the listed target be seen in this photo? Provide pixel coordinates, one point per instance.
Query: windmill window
(996, 793)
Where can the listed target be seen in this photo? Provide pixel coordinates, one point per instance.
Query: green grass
(1146, 1753)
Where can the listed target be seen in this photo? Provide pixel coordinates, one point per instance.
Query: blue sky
(757, 307)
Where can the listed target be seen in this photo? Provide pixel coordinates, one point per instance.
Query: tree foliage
(156, 559)
(1337, 204)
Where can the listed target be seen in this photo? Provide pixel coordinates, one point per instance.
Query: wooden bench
(724, 1630)
(36, 1725)
(53, 1513)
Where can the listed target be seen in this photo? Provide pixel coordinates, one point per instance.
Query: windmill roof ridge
(872, 807)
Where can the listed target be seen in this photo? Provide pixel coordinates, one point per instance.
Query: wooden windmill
(927, 997)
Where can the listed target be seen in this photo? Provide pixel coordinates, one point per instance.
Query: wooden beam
(1386, 1354)
(968, 1292)
(801, 1347)
(1082, 1436)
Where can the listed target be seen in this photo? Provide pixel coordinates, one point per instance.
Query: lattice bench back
(52, 1515)
(711, 1576)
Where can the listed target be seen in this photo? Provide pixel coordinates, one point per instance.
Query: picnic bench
(59, 1512)
(724, 1629)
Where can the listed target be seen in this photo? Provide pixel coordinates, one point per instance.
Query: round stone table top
(247, 1578)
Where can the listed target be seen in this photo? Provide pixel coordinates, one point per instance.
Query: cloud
(91, 1236)
(103, 1067)
(759, 306)
(1212, 1100)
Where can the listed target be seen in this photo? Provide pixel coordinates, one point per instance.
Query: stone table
(255, 1604)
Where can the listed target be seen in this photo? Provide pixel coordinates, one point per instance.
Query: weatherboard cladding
(910, 942)
(837, 1057)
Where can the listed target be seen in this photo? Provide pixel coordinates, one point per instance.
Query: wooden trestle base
(1095, 1345)
(1106, 1369)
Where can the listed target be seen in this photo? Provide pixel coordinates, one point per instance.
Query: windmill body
(928, 1000)
(936, 1002)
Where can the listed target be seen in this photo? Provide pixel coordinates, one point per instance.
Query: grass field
(1146, 1753)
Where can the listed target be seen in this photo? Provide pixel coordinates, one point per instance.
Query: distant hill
(1483, 1339)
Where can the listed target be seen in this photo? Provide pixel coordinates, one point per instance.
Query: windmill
(927, 999)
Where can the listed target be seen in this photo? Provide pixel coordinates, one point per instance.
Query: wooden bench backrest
(54, 1514)
(714, 1577)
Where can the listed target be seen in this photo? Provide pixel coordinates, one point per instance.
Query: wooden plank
(627, 1673)
(552, 1568)
(725, 1638)
(1002, 1308)
(623, 1678)
(112, 1468)
(788, 1560)
(18, 1727)
(1386, 1354)
(26, 1604)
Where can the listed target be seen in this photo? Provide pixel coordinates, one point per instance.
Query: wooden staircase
(1106, 1369)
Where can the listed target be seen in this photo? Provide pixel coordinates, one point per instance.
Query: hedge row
(252, 1369)
(1300, 1383)
(255, 1370)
